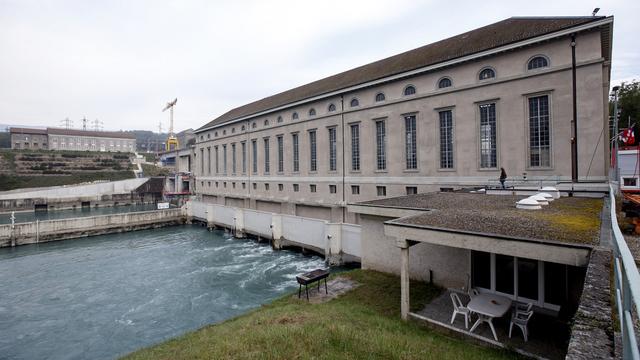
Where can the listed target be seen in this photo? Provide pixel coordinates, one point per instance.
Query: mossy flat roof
(568, 219)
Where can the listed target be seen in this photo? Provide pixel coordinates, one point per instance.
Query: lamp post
(614, 97)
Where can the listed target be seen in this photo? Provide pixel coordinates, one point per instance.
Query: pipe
(574, 123)
(343, 165)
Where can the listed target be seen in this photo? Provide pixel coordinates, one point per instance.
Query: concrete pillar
(210, 216)
(333, 246)
(276, 230)
(238, 218)
(404, 280)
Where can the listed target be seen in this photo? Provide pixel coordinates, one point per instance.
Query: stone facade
(393, 142)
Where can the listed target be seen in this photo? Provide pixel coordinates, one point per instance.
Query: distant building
(69, 139)
(186, 138)
(26, 138)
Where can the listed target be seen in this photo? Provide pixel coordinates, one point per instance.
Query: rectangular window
(355, 189)
(202, 161)
(381, 151)
(355, 147)
(528, 278)
(224, 159)
(255, 186)
(381, 190)
(411, 151)
(539, 132)
(244, 157)
(333, 189)
(488, 148)
(233, 158)
(209, 161)
(254, 155)
(332, 150)
(280, 187)
(412, 190)
(312, 188)
(266, 187)
(296, 187)
(296, 153)
(266, 156)
(313, 163)
(280, 153)
(446, 139)
(216, 155)
(504, 273)
(244, 185)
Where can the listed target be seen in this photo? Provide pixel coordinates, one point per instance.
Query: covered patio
(482, 244)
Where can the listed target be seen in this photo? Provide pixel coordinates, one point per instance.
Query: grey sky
(121, 61)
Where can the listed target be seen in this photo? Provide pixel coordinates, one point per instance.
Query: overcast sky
(121, 61)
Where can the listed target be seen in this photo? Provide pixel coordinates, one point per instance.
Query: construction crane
(172, 140)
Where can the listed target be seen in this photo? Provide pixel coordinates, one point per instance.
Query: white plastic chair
(473, 292)
(521, 319)
(458, 308)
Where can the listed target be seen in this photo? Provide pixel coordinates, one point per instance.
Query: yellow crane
(172, 140)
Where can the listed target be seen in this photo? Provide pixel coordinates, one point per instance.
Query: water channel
(105, 296)
(27, 216)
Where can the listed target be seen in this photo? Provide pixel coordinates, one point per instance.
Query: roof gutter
(565, 32)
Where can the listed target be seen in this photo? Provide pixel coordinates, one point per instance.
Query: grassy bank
(362, 324)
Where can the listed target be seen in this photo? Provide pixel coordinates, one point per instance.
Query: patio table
(488, 306)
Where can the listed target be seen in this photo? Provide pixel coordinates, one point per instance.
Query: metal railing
(627, 286)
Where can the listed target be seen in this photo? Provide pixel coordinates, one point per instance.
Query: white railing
(627, 286)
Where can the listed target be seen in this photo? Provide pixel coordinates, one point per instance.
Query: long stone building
(445, 115)
(71, 139)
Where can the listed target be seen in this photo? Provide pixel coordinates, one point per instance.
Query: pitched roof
(19, 130)
(105, 134)
(502, 33)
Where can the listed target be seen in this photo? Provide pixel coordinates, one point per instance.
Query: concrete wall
(379, 252)
(74, 191)
(339, 242)
(510, 91)
(52, 230)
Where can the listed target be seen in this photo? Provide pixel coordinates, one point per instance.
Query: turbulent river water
(105, 296)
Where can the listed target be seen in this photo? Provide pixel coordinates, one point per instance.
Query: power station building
(449, 114)
(70, 139)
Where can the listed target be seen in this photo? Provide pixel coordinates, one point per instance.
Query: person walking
(503, 177)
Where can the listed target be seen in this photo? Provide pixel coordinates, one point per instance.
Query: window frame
(380, 97)
(546, 58)
(313, 150)
(333, 148)
(453, 135)
(357, 102)
(485, 68)
(295, 148)
(415, 142)
(280, 145)
(478, 136)
(312, 112)
(438, 87)
(266, 157)
(332, 107)
(355, 155)
(380, 154)
(404, 91)
(527, 127)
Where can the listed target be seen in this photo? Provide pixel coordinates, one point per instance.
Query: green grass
(362, 324)
(10, 182)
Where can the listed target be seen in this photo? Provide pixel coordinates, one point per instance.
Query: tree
(629, 105)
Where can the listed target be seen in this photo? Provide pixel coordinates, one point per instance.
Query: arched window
(215, 134)
(332, 107)
(380, 97)
(254, 125)
(242, 128)
(354, 102)
(444, 83)
(294, 116)
(266, 122)
(279, 119)
(224, 132)
(487, 73)
(233, 130)
(312, 112)
(208, 136)
(537, 62)
(409, 90)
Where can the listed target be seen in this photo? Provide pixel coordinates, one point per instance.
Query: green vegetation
(152, 170)
(362, 324)
(10, 182)
(149, 157)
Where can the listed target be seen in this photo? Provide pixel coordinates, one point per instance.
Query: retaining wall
(51, 230)
(339, 242)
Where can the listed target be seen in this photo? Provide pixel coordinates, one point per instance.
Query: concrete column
(333, 246)
(276, 230)
(210, 216)
(239, 222)
(404, 282)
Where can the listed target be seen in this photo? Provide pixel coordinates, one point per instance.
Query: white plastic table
(488, 306)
